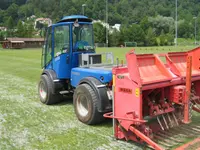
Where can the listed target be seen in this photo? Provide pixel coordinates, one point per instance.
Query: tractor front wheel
(85, 105)
(45, 90)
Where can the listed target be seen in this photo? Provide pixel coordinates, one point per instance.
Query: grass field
(27, 124)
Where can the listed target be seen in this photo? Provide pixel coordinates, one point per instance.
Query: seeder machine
(154, 96)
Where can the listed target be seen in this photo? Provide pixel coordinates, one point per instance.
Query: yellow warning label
(113, 80)
(137, 92)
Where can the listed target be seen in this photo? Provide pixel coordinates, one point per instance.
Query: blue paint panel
(49, 66)
(69, 23)
(79, 73)
(74, 17)
(60, 67)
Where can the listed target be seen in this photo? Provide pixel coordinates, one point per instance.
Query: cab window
(48, 47)
(83, 38)
(61, 39)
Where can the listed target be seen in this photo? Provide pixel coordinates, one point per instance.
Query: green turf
(25, 123)
(120, 52)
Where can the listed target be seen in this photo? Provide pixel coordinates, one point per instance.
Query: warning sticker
(137, 92)
(125, 90)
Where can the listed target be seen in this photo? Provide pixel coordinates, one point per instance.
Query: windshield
(83, 38)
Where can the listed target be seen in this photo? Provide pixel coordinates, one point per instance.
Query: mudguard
(101, 92)
(56, 83)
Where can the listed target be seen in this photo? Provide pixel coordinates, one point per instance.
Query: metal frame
(108, 55)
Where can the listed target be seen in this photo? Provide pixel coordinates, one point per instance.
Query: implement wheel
(85, 105)
(45, 90)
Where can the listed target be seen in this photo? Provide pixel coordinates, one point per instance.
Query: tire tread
(51, 98)
(96, 116)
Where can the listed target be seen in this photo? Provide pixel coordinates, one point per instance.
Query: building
(3, 29)
(109, 28)
(43, 21)
(117, 27)
(23, 42)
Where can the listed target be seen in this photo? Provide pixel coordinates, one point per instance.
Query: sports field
(27, 124)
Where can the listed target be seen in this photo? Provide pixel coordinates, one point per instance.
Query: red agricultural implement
(154, 97)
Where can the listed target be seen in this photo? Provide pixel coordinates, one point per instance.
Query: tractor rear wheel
(45, 90)
(85, 105)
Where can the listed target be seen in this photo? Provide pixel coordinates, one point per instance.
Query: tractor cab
(65, 41)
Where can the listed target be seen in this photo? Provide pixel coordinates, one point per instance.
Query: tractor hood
(103, 75)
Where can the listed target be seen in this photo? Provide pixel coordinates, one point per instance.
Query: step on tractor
(150, 99)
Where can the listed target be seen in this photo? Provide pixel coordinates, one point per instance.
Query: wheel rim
(43, 91)
(83, 105)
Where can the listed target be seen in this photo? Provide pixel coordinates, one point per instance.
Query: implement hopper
(154, 96)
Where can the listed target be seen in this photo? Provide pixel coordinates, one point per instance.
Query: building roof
(17, 41)
(26, 39)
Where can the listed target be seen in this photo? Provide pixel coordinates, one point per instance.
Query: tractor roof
(74, 18)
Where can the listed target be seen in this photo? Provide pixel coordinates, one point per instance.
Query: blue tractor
(71, 66)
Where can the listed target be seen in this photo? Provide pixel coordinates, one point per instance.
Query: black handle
(67, 60)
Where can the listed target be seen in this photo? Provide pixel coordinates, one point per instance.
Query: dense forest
(147, 22)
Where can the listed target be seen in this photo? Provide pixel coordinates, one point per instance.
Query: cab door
(46, 62)
(61, 48)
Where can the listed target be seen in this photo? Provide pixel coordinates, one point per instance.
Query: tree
(20, 29)
(10, 23)
(170, 38)
(12, 11)
(30, 30)
(114, 38)
(23, 11)
(163, 39)
(185, 30)
(2, 35)
(20, 2)
(160, 23)
(147, 14)
(1, 15)
(10, 26)
(124, 36)
(145, 24)
(99, 33)
(136, 34)
(150, 38)
(72, 11)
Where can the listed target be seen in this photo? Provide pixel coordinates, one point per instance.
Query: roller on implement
(153, 99)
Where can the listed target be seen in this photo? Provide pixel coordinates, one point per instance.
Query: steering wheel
(65, 46)
(80, 45)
